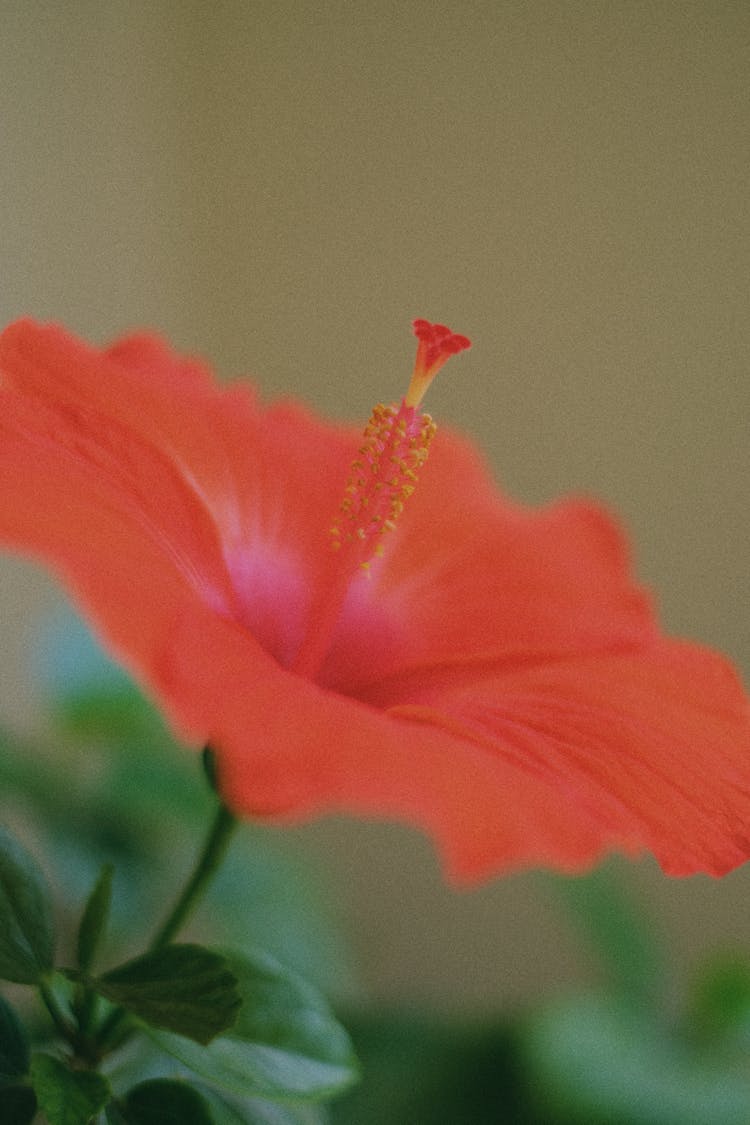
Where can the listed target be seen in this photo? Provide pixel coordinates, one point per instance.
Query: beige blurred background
(282, 186)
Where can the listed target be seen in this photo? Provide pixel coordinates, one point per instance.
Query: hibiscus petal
(554, 764)
(289, 750)
(224, 488)
(650, 744)
(106, 512)
(491, 558)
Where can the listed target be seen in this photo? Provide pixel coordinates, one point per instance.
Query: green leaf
(183, 988)
(18, 1105)
(719, 1009)
(26, 936)
(617, 928)
(94, 919)
(593, 1059)
(162, 1101)
(421, 1068)
(285, 1043)
(227, 1110)
(144, 1061)
(14, 1046)
(67, 1097)
(114, 1115)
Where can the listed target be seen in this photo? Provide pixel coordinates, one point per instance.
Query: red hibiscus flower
(485, 671)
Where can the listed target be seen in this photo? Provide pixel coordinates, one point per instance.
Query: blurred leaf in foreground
(616, 927)
(26, 935)
(719, 1005)
(595, 1059)
(284, 1044)
(417, 1069)
(14, 1045)
(67, 1097)
(184, 988)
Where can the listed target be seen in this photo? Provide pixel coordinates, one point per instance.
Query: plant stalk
(113, 1032)
(209, 862)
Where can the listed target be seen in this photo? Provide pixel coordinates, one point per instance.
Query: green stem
(112, 1031)
(209, 862)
